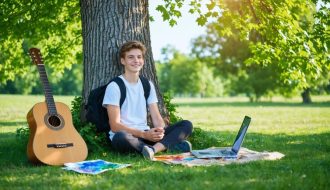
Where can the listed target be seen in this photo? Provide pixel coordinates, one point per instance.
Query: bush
(201, 139)
(171, 108)
(94, 140)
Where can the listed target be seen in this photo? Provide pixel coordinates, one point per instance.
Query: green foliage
(280, 33)
(185, 76)
(67, 83)
(171, 10)
(22, 134)
(57, 33)
(202, 138)
(209, 84)
(266, 47)
(292, 35)
(95, 141)
(171, 108)
(255, 82)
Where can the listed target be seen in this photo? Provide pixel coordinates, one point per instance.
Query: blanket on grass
(244, 155)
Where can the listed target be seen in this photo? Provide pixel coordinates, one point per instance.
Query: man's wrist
(142, 134)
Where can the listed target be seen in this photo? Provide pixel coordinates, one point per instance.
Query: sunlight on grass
(226, 116)
(15, 107)
(77, 180)
(295, 142)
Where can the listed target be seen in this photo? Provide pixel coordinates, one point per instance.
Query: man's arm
(116, 126)
(156, 118)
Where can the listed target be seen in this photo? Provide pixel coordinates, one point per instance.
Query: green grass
(301, 132)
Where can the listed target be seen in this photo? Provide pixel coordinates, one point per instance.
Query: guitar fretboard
(47, 89)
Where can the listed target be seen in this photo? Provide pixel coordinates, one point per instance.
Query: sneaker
(148, 153)
(184, 146)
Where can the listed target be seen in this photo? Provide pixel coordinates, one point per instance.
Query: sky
(179, 36)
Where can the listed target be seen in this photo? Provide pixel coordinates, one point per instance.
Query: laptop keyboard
(228, 152)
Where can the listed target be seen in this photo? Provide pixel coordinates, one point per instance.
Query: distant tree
(227, 55)
(184, 76)
(67, 83)
(164, 68)
(288, 36)
(210, 85)
(70, 82)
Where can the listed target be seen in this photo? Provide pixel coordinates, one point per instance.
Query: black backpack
(97, 114)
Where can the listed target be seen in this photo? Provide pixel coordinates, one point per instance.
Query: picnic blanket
(244, 155)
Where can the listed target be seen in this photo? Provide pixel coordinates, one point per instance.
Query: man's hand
(154, 134)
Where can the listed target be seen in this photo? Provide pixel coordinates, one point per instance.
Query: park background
(281, 81)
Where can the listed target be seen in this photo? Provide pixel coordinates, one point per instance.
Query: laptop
(226, 152)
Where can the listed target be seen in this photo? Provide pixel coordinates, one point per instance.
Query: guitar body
(53, 138)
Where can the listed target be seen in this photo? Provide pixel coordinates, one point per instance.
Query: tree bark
(105, 26)
(306, 96)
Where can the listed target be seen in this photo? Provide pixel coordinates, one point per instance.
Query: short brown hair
(128, 46)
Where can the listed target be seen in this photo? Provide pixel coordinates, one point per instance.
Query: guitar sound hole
(54, 121)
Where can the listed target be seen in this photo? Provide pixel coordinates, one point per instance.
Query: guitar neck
(47, 90)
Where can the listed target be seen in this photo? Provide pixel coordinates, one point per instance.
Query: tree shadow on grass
(12, 150)
(262, 142)
(13, 123)
(253, 104)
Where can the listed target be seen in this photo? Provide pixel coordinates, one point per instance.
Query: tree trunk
(105, 26)
(306, 96)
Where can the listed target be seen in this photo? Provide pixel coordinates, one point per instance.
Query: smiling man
(129, 130)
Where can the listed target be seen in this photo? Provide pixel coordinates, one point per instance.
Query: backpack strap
(122, 88)
(146, 87)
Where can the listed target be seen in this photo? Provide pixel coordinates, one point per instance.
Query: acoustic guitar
(53, 139)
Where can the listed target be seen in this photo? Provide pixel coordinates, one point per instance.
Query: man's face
(133, 60)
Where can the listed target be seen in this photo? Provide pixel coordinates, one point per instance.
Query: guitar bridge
(59, 145)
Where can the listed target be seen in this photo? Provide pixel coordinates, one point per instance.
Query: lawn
(301, 132)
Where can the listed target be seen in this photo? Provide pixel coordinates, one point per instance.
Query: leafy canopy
(290, 34)
(52, 26)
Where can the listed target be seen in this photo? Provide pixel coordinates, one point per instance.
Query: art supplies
(93, 166)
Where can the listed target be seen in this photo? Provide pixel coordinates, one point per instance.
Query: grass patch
(300, 132)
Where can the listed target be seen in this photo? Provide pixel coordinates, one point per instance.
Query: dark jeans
(174, 134)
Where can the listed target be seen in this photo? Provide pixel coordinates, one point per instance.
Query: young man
(129, 129)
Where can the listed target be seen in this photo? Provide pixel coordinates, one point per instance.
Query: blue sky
(178, 36)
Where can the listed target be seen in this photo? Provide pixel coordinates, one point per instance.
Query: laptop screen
(241, 134)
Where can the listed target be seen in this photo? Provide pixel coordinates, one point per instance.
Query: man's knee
(121, 141)
(187, 125)
(120, 137)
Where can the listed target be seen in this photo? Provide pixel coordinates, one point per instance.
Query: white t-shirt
(133, 112)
